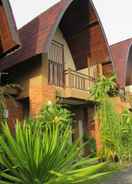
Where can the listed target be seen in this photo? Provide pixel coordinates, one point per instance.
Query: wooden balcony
(77, 84)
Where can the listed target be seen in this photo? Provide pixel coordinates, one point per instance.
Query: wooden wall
(107, 69)
(84, 35)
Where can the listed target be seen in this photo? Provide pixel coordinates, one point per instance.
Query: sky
(115, 15)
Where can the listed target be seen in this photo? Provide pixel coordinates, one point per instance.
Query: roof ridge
(124, 40)
(50, 8)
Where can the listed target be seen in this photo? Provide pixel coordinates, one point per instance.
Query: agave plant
(43, 155)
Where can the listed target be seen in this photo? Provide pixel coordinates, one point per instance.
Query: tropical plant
(109, 129)
(2, 103)
(90, 145)
(103, 87)
(55, 114)
(43, 155)
(115, 127)
(125, 148)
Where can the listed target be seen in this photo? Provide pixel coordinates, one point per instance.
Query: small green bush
(55, 114)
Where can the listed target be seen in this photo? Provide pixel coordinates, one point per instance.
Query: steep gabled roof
(120, 52)
(36, 36)
(9, 39)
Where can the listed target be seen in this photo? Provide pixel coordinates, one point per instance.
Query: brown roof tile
(120, 53)
(9, 35)
(37, 35)
(33, 37)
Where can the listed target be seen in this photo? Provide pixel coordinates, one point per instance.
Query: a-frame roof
(120, 52)
(9, 39)
(36, 36)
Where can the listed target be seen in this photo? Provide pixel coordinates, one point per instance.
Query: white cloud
(115, 15)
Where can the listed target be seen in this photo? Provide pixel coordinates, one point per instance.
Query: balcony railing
(77, 80)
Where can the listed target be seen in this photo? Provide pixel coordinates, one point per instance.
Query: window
(56, 64)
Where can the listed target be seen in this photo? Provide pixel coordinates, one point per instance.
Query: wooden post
(88, 63)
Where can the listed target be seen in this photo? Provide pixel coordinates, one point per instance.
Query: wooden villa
(63, 52)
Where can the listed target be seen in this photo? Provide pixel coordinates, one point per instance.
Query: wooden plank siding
(107, 69)
(84, 35)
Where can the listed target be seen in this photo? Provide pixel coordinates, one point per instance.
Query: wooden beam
(90, 24)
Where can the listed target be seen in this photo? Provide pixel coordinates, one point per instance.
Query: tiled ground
(124, 177)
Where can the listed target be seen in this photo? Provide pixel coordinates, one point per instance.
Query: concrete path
(123, 177)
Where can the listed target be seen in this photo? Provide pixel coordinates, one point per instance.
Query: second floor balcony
(77, 84)
(74, 83)
(78, 80)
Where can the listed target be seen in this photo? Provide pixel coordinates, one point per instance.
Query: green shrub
(103, 87)
(55, 114)
(126, 135)
(90, 145)
(43, 155)
(116, 133)
(115, 128)
(2, 104)
(109, 130)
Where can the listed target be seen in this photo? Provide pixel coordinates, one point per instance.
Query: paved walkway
(123, 177)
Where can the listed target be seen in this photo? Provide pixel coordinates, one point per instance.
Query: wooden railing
(74, 79)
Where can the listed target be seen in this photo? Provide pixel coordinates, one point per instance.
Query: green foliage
(116, 132)
(109, 129)
(2, 103)
(115, 128)
(104, 86)
(125, 149)
(55, 114)
(43, 155)
(90, 143)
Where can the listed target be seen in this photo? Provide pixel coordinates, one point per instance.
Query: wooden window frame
(56, 66)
